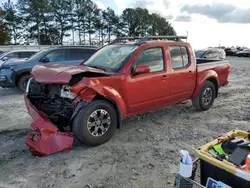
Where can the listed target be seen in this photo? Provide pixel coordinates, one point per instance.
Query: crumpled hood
(60, 74)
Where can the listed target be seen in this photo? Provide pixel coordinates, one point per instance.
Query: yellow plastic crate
(222, 170)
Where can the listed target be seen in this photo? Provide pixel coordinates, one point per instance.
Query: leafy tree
(139, 22)
(128, 22)
(49, 21)
(111, 21)
(100, 27)
(61, 10)
(50, 37)
(80, 18)
(92, 12)
(5, 34)
(159, 26)
(13, 20)
(142, 18)
(34, 14)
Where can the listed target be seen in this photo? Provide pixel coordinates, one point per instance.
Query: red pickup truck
(127, 77)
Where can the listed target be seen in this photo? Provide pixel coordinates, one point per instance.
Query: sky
(207, 22)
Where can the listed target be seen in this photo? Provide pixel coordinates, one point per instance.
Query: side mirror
(45, 60)
(142, 69)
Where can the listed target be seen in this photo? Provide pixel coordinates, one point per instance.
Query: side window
(179, 56)
(12, 55)
(152, 57)
(185, 56)
(25, 54)
(56, 56)
(176, 57)
(79, 54)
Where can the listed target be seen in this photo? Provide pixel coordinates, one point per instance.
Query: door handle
(165, 77)
(190, 73)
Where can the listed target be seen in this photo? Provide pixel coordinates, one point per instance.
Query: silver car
(16, 54)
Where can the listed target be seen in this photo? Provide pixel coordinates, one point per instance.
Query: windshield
(111, 57)
(38, 55)
(199, 54)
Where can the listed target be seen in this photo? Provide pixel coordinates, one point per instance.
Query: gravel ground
(143, 153)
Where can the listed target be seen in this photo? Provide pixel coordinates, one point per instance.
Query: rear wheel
(205, 99)
(22, 82)
(96, 123)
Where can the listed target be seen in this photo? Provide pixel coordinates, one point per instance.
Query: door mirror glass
(142, 69)
(45, 60)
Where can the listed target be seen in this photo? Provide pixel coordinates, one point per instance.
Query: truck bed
(202, 61)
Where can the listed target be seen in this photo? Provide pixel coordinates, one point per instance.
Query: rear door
(76, 56)
(183, 73)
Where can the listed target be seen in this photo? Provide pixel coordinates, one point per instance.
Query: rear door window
(79, 54)
(185, 56)
(25, 54)
(179, 56)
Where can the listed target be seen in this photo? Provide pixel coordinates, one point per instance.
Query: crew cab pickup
(127, 77)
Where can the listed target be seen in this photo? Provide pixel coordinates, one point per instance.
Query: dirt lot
(141, 154)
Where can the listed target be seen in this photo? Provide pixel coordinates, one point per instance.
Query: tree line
(49, 22)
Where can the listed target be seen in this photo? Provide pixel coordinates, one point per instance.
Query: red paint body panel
(48, 139)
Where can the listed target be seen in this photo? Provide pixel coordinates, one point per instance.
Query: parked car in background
(243, 53)
(16, 54)
(122, 79)
(230, 51)
(17, 73)
(215, 54)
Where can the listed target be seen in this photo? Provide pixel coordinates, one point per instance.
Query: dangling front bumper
(46, 139)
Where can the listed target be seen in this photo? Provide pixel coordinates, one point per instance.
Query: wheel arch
(211, 76)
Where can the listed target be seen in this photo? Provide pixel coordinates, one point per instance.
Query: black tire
(199, 103)
(80, 128)
(22, 81)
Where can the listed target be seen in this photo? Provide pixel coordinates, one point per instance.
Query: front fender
(202, 78)
(88, 90)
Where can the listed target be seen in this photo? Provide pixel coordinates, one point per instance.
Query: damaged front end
(52, 107)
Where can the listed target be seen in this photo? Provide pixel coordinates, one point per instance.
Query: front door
(150, 90)
(55, 57)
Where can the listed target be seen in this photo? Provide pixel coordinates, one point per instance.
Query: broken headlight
(66, 92)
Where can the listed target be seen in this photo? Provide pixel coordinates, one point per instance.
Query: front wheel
(205, 99)
(96, 123)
